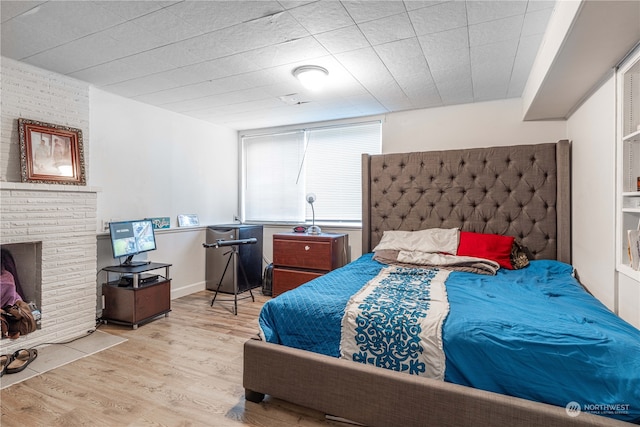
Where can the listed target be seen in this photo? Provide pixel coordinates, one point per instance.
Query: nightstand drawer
(284, 280)
(313, 255)
(299, 258)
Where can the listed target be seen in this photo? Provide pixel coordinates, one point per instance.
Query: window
(279, 169)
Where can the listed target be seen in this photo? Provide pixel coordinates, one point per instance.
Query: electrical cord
(89, 332)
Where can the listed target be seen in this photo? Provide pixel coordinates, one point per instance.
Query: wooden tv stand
(135, 301)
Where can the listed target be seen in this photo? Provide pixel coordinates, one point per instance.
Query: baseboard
(188, 289)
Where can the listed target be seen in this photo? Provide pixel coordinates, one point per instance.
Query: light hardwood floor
(181, 370)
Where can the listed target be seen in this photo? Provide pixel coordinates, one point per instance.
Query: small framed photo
(51, 154)
(160, 222)
(188, 220)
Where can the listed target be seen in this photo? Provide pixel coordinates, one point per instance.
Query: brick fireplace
(51, 233)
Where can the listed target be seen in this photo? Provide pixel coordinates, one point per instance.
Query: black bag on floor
(267, 280)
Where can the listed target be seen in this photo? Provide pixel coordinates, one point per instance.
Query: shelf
(627, 161)
(116, 284)
(632, 137)
(629, 272)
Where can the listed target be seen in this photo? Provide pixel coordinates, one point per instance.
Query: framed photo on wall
(188, 220)
(51, 154)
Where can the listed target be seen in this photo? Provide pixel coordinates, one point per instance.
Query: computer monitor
(129, 238)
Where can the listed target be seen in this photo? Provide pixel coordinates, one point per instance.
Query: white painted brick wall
(61, 217)
(32, 93)
(69, 248)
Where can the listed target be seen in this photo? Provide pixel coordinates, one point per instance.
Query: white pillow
(430, 240)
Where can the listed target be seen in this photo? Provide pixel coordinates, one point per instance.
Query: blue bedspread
(533, 333)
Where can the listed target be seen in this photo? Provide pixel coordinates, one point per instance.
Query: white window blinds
(280, 169)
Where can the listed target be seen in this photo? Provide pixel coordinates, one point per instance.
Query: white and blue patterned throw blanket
(395, 321)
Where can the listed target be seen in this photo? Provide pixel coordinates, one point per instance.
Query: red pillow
(488, 246)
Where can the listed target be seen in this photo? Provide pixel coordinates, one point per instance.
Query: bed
(521, 191)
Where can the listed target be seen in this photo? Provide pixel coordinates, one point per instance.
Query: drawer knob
(306, 248)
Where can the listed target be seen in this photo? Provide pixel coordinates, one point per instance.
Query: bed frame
(522, 191)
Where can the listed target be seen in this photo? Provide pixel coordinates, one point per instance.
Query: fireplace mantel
(29, 186)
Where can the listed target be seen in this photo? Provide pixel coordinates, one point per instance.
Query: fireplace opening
(28, 263)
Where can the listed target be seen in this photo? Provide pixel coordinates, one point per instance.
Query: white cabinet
(628, 159)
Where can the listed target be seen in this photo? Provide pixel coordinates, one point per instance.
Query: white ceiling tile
(440, 43)
(176, 95)
(536, 22)
(366, 10)
(223, 100)
(231, 84)
(69, 20)
(389, 29)
(539, 5)
(107, 73)
(243, 107)
(131, 9)
(441, 17)
(179, 54)
(365, 103)
(420, 4)
(161, 98)
(11, 9)
(451, 71)
(223, 67)
(166, 26)
(485, 55)
(214, 15)
(290, 4)
(403, 58)
(491, 67)
(365, 66)
(495, 31)
(343, 40)
(79, 54)
(149, 62)
(456, 88)
(280, 76)
(142, 85)
(398, 102)
(274, 29)
(289, 52)
(243, 37)
(132, 37)
(19, 41)
(525, 56)
(484, 11)
(192, 74)
(207, 46)
(448, 62)
(320, 17)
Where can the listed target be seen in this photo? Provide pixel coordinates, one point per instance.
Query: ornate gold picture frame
(51, 154)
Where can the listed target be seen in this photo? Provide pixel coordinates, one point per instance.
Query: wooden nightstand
(300, 257)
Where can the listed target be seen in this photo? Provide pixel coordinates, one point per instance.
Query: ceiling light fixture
(312, 77)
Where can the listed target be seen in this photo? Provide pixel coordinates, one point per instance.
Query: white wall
(486, 124)
(592, 128)
(150, 162)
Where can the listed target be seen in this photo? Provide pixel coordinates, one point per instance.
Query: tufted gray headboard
(521, 191)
